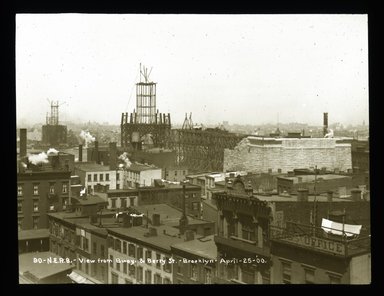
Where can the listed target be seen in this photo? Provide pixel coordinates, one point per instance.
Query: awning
(337, 228)
(74, 276)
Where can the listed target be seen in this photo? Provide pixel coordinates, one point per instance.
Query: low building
(93, 174)
(33, 240)
(196, 260)
(162, 192)
(44, 268)
(140, 175)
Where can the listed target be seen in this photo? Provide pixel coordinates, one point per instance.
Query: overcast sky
(246, 69)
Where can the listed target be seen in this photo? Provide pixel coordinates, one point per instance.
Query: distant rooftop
(311, 178)
(44, 270)
(203, 247)
(91, 167)
(33, 234)
(138, 167)
(89, 200)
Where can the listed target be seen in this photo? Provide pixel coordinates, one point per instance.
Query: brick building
(257, 154)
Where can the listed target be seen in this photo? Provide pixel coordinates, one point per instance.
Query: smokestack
(356, 194)
(183, 223)
(23, 142)
(96, 152)
(302, 194)
(112, 156)
(325, 123)
(80, 153)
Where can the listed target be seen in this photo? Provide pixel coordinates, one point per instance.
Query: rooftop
(91, 167)
(166, 235)
(33, 234)
(138, 167)
(311, 178)
(202, 247)
(89, 200)
(42, 270)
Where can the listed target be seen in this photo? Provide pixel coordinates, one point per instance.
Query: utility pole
(314, 216)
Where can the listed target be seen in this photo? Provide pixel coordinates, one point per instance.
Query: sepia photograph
(203, 149)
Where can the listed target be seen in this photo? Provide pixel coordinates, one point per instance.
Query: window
(309, 276)
(19, 223)
(94, 248)
(334, 279)
(117, 186)
(157, 279)
(19, 190)
(158, 264)
(139, 253)
(166, 281)
(106, 177)
(167, 265)
(148, 256)
(102, 251)
(94, 177)
(117, 176)
(175, 173)
(193, 270)
(123, 202)
(195, 206)
(114, 278)
(85, 243)
(64, 188)
(89, 177)
(117, 245)
(89, 189)
(52, 188)
(131, 201)
(139, 274)
(19, 206)
(179, 266)
(113, 203)
(111, 261)
(124, 247)
(132, 270)
(93, 270)
(248, 276)
(131, 250)
(207, 276)
(35, 189)
(102, 271)
(148, 277)
(286, 272)
(118, 266)
(101, 177)
(248, 232)
(35, 222)
(266, 276)
(87, 268)
(35, 206)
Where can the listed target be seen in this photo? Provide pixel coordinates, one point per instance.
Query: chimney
(189, 235)
(80, 152)
(325, 123)
(156, 219)
(291, 173)
(329, 196)
(302, 194)
(183, 222)
(23, 142)
(96, 152)
(112, 156)
(356, 194)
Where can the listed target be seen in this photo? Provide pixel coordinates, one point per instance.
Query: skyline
(279, 68)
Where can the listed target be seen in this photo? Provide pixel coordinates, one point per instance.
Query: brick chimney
(325, 123)
(23, 142)
(80, 152)
(96, 152)
(302, 194)
(112, 156)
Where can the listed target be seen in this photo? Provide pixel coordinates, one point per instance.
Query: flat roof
(89, 200)
(161, 240)
(33, 234)
(310, 178)
(91, 167)
(41, 270)
(138, 167)
(202, 247)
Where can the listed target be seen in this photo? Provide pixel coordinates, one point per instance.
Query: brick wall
(288, 154)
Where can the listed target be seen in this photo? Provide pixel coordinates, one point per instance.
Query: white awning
(74, 276)
(337, 228)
